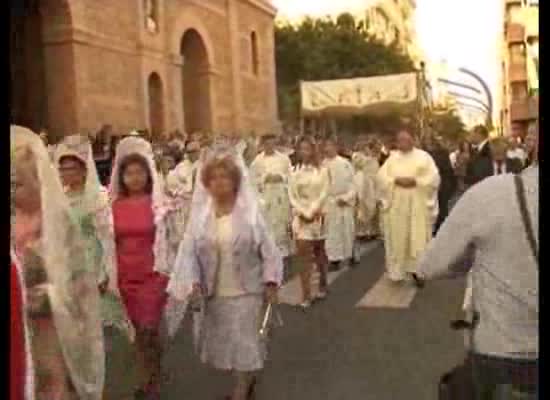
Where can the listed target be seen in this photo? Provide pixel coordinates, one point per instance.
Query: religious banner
(375, 95)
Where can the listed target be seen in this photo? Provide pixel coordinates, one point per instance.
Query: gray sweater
(484, 234)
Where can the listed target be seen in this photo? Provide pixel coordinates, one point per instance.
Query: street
(368, 340)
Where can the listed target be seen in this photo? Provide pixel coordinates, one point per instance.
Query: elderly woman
(59, 294)
(228, 259)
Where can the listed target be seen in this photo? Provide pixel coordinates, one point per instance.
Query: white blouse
(227, 284)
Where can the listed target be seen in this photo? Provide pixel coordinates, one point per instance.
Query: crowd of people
(123, 233)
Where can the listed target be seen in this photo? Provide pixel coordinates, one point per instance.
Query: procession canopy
(376, 96)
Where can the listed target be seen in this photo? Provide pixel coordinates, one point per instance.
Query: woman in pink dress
(141, 249)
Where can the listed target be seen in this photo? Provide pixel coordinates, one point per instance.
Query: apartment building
(392, 21)
(519, 66)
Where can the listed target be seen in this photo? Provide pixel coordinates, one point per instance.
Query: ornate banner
(375, 95)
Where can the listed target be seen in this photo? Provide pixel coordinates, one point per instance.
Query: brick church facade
(156, 64)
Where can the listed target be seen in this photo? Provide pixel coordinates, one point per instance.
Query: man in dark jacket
(448, 185)
(478, 166)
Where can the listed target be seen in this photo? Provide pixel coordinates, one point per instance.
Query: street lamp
(487, 93)
(471, 98)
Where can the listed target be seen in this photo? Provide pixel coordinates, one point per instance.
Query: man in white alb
(340, 206)
(408, 183)
(270, 170)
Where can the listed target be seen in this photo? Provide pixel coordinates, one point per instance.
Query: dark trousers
(443, 212)
(497, 378)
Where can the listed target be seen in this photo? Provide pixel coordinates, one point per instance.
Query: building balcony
(517, 72)
(513, 2)
(515, 33)
(524, 110)
(519, 111)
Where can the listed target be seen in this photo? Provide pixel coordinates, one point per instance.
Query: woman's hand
(271, 293)
(37, 300)
(405, 182)
(341, 203)
(103, 286)
(272, 178)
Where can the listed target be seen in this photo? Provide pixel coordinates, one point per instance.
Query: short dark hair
(481, 130)
(131, 159)
(309, 140)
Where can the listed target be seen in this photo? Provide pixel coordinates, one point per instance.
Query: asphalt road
(334, 351)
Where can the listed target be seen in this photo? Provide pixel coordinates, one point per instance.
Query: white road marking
(388, 294)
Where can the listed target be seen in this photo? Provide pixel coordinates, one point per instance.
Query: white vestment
(340, 221)
(179, 186)
(408, 213)
(270, 176)
(308, 189)
(366, 168)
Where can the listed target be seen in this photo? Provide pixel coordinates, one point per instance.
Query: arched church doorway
(195, 83)
(156, 105)
(28, 95)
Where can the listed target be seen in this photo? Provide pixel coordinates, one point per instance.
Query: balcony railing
(515, 33)
(524, 110)
(517, 72)
(519, 111)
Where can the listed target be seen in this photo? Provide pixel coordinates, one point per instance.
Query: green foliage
(448, 125)
(323, 49)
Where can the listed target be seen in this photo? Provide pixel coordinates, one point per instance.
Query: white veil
(79, 146)
(72, 290)
(245, 213)
(137, 145)
(96, 201)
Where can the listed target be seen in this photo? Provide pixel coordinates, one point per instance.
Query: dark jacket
(446, 172)
(486, 167)
(479, 167)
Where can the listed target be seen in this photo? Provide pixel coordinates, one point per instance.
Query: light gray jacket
(256, 259)
(485, 234)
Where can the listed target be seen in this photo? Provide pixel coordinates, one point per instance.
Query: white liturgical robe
(408, 213)
(270, 176)
(340, 218)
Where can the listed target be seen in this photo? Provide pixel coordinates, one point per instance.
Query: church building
(143, 64)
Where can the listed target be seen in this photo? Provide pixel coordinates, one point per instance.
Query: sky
(464, 33)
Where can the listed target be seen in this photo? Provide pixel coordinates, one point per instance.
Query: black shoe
(460, 324)
(418, 282)
(334, 266)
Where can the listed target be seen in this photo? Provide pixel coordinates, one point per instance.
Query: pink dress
(143, 290)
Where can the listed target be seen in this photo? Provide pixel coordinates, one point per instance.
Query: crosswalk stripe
(388, 294)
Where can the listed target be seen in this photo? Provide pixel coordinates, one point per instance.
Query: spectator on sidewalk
(485, 234)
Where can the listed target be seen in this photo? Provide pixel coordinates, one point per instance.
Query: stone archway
(42, 81)
(195, 82)
(27, 65)
(156, 104)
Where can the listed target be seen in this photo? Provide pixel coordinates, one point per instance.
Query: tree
(448, 125)
(323, 49)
